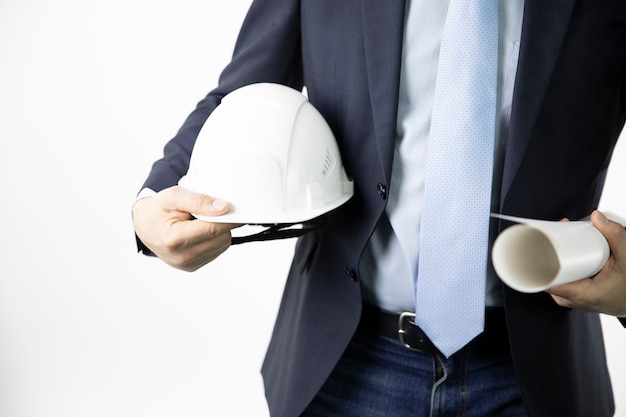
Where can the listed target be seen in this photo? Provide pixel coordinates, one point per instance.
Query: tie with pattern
(454, 231)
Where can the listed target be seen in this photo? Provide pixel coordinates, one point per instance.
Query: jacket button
(351, 274)
(382, 190)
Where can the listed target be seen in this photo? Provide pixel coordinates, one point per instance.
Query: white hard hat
(271, 154)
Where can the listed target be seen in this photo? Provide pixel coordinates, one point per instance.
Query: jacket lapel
(543, 30)
(383, 28)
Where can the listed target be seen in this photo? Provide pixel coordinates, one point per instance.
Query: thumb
(189, 201)
(613, 232)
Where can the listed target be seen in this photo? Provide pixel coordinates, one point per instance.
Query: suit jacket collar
(543, 31)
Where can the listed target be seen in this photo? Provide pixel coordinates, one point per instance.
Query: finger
(612, 231)
(197, 253)
(568, 303)
(198, 231)
(190, 244)
(584, 294)
(572, 290)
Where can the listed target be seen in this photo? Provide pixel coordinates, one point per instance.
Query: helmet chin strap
(285, 230)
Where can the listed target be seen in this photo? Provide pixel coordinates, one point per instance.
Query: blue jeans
(378, 377)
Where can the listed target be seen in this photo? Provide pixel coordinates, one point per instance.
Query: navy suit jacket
(567, 113)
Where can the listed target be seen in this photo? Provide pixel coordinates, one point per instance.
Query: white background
(89, 93)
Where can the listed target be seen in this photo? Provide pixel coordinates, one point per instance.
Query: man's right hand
(164, 224)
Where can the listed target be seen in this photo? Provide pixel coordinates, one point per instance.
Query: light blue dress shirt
(386, 268)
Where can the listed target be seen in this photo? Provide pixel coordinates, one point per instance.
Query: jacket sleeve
(267, 50)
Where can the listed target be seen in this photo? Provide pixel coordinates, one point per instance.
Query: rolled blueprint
(535, 255)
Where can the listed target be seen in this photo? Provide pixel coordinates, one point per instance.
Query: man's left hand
(606, 291)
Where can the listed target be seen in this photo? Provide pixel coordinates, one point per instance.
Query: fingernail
(218, 204)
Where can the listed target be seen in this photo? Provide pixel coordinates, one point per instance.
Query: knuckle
(561, 301)
(184, 260)
(201, 200)
(214, 231)
(172, 247)
(217, 231)
(183, 264)
(173, 242)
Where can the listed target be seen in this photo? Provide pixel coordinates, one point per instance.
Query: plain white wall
(89, 93)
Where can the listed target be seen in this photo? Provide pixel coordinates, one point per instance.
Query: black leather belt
(403, 328)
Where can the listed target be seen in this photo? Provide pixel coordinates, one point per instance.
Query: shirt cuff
(146, 192)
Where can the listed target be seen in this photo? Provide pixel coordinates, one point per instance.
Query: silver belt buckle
(402, 321)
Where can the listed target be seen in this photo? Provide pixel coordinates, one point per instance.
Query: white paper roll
(535, 255)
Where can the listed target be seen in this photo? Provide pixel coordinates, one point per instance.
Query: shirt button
(382, 190)
(351, 274)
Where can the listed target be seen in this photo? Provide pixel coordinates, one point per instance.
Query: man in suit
(562, 105)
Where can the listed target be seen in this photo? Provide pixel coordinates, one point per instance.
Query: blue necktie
(454, 230)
